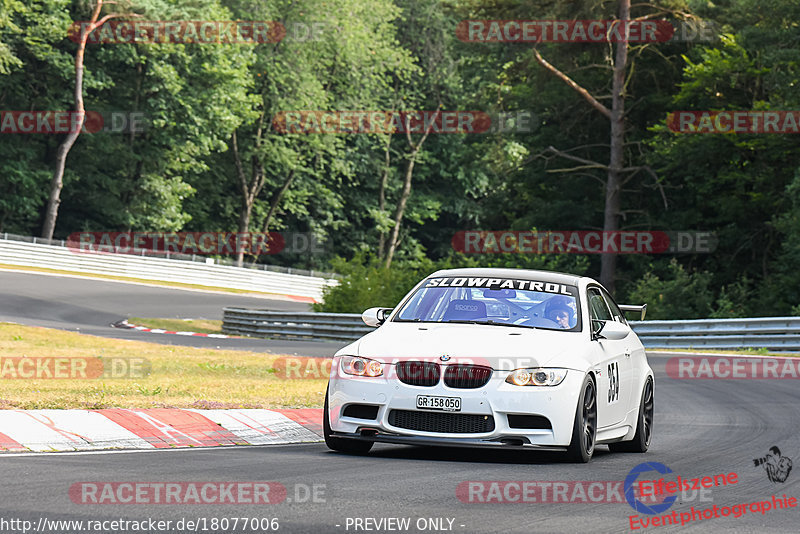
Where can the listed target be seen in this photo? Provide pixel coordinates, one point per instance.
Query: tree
(615, 168)
(8, 10)
(743, 187)
(57, 183)
(430, 87)
(31, 65)
(187, 98)
(346, 67)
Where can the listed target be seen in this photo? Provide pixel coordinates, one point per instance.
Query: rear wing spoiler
(631, 308)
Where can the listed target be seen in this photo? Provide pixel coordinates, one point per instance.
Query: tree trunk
(57, 183)
(616, 117)
(276, 200)
(608, 261)
(401, 207)
(250, 187)
(382, 194)
(244, 226)
(273, 207)
(249, 191)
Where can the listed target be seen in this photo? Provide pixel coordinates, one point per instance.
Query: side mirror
(375, 316)
(611, 330)
(642, 310)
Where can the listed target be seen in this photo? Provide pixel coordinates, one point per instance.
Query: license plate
(430, 402)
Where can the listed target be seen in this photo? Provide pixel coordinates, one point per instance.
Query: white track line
(744, 356)
(131, 451)
(221, 291)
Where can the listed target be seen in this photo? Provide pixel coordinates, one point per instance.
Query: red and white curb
(125, 324)
(154, 428)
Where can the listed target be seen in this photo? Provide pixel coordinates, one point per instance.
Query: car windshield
(494, 301)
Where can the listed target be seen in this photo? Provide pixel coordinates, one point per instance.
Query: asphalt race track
(90, 306)
(702, 428)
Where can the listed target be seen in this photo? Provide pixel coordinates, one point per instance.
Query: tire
(584, 430)
(349, 446)
(644, 424)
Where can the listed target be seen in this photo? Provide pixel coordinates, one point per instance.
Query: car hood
(500, 347)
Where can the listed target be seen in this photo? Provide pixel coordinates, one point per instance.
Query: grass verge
(205, 326)
(182, 377)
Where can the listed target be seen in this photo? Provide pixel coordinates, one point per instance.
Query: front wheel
(584, 430)
(349, 446)
(644, 424)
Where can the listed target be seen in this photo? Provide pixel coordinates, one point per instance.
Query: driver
(560, 312)
(562, 318)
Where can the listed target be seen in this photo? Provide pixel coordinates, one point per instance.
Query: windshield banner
(503, 283)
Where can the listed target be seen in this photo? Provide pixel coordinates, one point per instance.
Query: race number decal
(613, 382)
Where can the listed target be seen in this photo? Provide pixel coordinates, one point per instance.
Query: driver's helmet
(557, 305)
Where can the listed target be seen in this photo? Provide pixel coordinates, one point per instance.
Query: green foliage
(33, 69)
(8, 59)
(367, 283)
(677, 294)
(180, 173)
(733, 301)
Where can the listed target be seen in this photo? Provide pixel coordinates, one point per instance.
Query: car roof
(525, 274)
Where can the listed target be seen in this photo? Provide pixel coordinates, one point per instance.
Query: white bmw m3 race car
(501, 358)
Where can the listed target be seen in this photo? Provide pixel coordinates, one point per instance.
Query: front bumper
(497, 399)
(507, 442)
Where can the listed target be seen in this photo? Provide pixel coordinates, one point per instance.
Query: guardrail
(774, 333)
(52, 254)
(297, 325)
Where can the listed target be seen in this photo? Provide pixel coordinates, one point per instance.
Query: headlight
(353, 365)
(537, 376)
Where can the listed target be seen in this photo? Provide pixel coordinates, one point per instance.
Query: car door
(613, 365)
(634, 359)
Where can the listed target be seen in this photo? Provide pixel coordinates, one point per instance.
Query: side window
(598, 309)
(615, 311)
